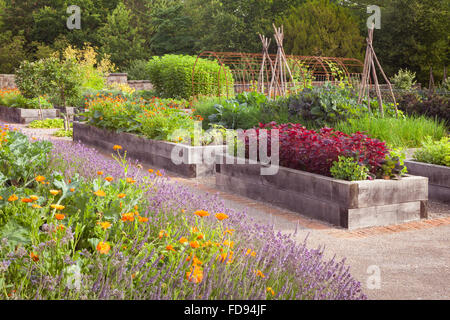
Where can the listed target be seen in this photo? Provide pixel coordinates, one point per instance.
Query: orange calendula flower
(59, 216)
(221, 216)
(162, 233)
(36, 206)
(121, 195)
(72, 189)
(54, 192)
(229, 231)
(34, 198)
(130, 180)
(100, 193)
(109, 179)
(270, 290)
(117, 147)
(1, 198)
(103, 247)
(158, 173)
(57, 207)
(194, 229)
(201, 236)
(26, 200)
(201, 213)
(195, 274)
(183, 240)
(100, 173)
(39, 178)
(194, 244)
(13, 198)
(142, 219)
(259, 274)
(34, 257)
(128, 217)
(170, 248)
(250, 252)
(196, 261)
(105, 225)
(228, 243)
(150, 170)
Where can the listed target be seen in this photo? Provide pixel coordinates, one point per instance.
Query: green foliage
(349, 169)
(409, 132)
(64, 133)
(138, 70)
(435, 152)
(394, 165)
(404, 79)
(12, 51)
(171, 76)
(47, 124)
(322, 28)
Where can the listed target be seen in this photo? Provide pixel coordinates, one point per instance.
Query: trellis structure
(315, 70)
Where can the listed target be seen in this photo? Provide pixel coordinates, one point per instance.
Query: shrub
(408, 132)
(315, 152)
(171, 76)
(138, 70)
(435, 152)
(431, 106)
(404, 79)
(14, 99)
(346, 168)
(47, 124)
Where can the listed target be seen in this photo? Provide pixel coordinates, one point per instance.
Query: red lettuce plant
(315, 152)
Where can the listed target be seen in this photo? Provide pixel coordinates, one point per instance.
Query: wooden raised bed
(152, 152)
(438, 179)
(24, 116)
(348, 204)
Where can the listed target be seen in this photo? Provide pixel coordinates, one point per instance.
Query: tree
(322, 28)
(12, 51)
(120, 39)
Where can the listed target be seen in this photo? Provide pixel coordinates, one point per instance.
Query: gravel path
(412, 264)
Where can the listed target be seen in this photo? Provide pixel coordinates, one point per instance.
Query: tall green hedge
(171, 76)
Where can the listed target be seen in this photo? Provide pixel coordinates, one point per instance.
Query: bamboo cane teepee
(266, 58)
(369, 69)
(278, 84)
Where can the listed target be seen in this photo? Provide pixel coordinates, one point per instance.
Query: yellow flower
(229, 231)
(109, 179)
(39, 178)
(128, 217)
(72, 189)
(201, 213)
(150, 170)
(54, 192)
(130, 180)
(57, 207)
(1, 198)
(13, 198)
(36, 206)
(105, 225)
(100, 193)
(34, 198)
(259, 274)
(162, 233)
(182, 240)
(103, 247)
(270, 290)
(250, 252)
(221, 216)
(117, 147)
(228, 243)
(142, 219)
(121, 195)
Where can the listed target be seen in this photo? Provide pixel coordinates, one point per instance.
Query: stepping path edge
(350, 205)
(187, 161)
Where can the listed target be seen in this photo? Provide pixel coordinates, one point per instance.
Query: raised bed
(438, 179)
(348, 204)
(194, 160)
(19, 115)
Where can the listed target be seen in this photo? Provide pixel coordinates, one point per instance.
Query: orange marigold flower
(194, 229)
(105, 225)
(183, 240)
(130, 180)
(54, 192)
(121, 195)
(162, 233)
(117, 147)
(26, 200)
(259, 274)
(201, 213)
(34, 198)
(158, 173)
(103, 247)
(36, 206)
(170, 248)
(57, 207)
(250, 252)
(142, 219)
(228, 243)
(128, 217)
(109, 179)
(194, 244)
(196, 261)
(72, 189)
(270, 290)
(59, 216)
(39, 178)
(100, 193)
(150, 170)
(229, 231)
(100, 173)
(195, 274)
(34, 257)
(201, 236)
(1, 198)
(221, 216)
(13, 198)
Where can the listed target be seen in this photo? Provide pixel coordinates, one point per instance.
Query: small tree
(404, 79)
